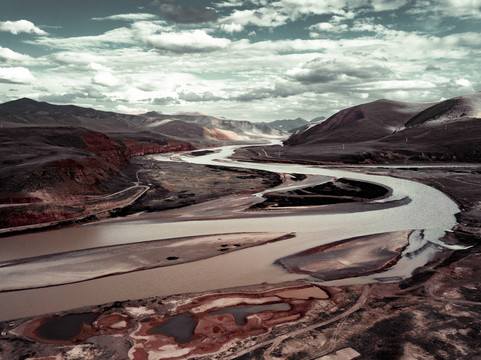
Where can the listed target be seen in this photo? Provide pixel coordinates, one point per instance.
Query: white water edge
(430, 212)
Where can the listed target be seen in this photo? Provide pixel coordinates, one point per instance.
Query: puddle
(64, 328)
(180, 327)
(240, 312)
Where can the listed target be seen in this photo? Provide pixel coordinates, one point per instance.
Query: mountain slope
(287, 125)
(386, 131)
(451, 109)
(359, 123)
(244, 129)
(30, 112)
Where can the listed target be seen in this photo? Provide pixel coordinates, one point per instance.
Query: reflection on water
(180, 327)
(64, 328)
(240, 312)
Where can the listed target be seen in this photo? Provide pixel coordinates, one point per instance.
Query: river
(429, 211)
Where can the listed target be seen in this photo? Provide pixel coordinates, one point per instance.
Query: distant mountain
(191, 130)
(30, 112)
(386, 131)
(317, 120)
(243, 129)
(307, 126)
(287, 125)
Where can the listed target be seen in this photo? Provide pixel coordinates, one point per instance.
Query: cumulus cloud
(196, 41)
(7, 55)
(21, 26)
(195, 97)
(463, 82)
(164, 101)
(185, 14)
(231, 28)
(106, 79)
(319, 29)
(325, 70)
(16, 75)
(75, 58)
(263, 17)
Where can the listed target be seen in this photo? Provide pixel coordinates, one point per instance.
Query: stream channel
(429, 212)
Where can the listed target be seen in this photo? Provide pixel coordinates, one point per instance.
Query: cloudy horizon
(257, 60)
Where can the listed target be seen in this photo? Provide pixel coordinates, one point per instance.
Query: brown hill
(386, 131)
(185, 126)
(359, 123)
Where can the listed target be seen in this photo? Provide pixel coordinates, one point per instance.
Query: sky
(257, 60)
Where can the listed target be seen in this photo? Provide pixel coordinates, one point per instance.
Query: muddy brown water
(428, 210)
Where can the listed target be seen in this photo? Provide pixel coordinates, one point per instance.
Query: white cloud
(319, 29)
(105, 78)
(231, 3)
(128, 17)
(347, 70)
(21, 26)
(298, 8)
(459, 8)
(231, 28)
(16, 75)
(186, 42)
(465, 9)
(7, 55)
(463, 82)
(385, 5)
(81, 43)
(76, 58)
(264, 17)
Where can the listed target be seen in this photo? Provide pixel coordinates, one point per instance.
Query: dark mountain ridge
(386, 131)
(27, 111)
(359, 123)
(287, 125)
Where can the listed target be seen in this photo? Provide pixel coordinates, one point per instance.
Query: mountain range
(200, 128)
(69, 152)
(386, 131)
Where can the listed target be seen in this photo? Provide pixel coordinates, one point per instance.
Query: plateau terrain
(194, 237)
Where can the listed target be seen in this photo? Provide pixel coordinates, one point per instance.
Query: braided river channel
(409, 206)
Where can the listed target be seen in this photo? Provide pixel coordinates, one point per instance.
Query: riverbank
(154, 186)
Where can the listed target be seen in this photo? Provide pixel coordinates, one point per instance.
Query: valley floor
(433, 315)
